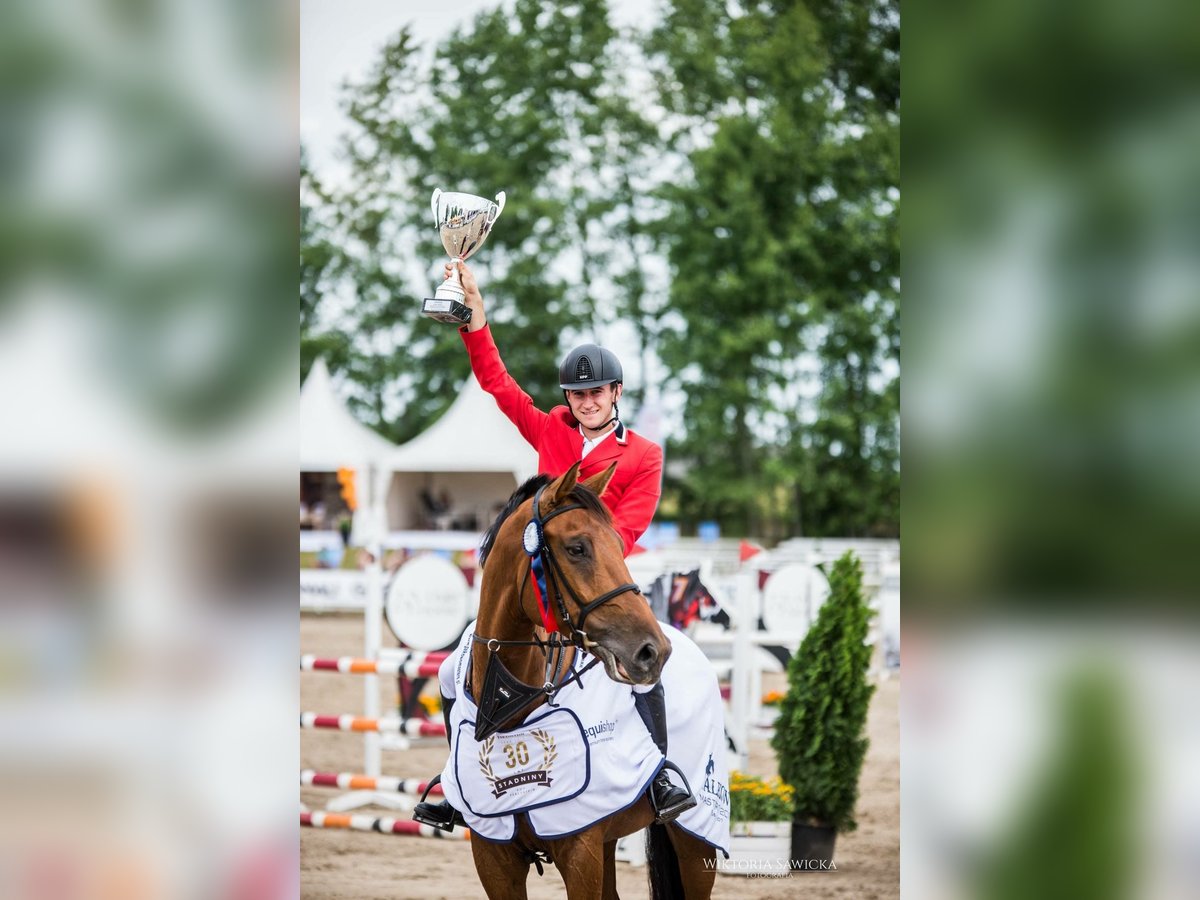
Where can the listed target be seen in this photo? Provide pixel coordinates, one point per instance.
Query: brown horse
(604, 614)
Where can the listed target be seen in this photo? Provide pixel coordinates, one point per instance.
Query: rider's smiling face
(593, 407)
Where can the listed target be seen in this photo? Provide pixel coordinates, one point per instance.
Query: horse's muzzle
(640, 662)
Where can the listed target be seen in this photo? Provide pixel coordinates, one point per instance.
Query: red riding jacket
(632, 494)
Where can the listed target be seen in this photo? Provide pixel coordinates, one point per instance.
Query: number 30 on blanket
(517, 754)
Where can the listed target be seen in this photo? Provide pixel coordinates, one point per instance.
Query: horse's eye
(576, 550)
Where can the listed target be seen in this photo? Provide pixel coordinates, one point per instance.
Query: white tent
(472, 453)
(330, 437)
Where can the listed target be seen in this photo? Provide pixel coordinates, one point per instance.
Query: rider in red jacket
(587, 429)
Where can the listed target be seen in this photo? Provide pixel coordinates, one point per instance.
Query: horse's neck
(500, 619)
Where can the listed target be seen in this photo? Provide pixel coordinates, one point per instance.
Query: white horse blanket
(589, 756)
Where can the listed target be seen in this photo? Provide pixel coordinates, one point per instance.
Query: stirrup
(683, 799)
(441, 815)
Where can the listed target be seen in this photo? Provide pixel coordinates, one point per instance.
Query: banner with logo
(333, 589)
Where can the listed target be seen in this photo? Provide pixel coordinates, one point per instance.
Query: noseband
(503, 694)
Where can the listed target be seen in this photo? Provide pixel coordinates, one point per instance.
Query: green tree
(319, 264)
(526, 101)
(755, 147)
(783, 240)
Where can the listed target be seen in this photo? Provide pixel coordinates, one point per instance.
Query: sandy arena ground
(347, 865)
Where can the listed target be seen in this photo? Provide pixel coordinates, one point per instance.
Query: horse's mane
(581, 494)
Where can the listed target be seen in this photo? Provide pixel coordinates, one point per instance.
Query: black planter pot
(812, 847)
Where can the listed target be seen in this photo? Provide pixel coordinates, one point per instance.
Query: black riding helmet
(589, 366)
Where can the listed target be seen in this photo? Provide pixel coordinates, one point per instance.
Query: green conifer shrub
(819, 734)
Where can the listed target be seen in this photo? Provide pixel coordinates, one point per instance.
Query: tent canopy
(330, 437)
(468, 462)
(472, 458)
(472, 436)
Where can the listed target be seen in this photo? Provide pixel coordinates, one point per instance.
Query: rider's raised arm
(489, 368)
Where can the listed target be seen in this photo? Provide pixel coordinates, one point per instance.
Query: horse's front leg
(580, 861)
(502, 870)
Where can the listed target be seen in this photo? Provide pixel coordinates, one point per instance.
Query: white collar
(590, 444)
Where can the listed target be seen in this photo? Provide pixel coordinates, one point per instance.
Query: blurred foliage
(1052, 380)
(147, 449)
(134, 193)
(1076, 834)
(1053, 372)
(756, 151)
(820, 735)
(319, 258)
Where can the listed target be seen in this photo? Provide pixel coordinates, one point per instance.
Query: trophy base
(449, 311)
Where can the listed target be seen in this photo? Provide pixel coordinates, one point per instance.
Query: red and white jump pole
(383, 725)
(352, 781)
(380, 824)
(414, 665)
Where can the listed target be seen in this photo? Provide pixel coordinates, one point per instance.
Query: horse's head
(589, 589)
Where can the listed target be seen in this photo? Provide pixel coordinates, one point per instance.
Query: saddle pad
(620, 758)
(545, 761)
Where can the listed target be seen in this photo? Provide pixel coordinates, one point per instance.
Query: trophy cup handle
(437, 192)
(500, 198)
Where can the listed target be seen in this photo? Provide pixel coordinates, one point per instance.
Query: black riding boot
(441, 815)
(668, 799)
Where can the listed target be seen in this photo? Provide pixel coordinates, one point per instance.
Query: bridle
(542, 561)
(503, 694)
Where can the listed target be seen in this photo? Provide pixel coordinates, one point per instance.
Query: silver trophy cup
(464, 222)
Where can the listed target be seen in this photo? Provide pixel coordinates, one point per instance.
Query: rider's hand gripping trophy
(464, 222)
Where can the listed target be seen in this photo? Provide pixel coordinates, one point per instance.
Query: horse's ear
(599, 482)
(560, 489)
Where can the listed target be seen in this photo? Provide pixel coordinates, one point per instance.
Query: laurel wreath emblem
(549, 747)
(485, 763)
